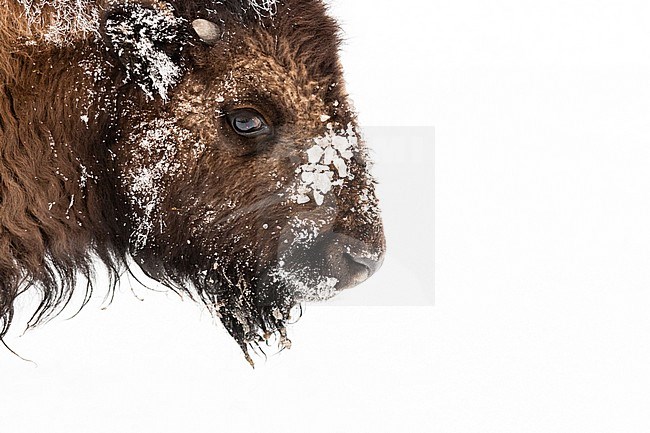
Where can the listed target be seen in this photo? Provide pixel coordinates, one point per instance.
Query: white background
(542, 242)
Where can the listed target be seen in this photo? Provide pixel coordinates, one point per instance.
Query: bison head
(238, 156)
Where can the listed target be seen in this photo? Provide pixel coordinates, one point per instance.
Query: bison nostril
(358, 269)
(372, 265)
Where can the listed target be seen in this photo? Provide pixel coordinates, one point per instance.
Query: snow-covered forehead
(61, 22)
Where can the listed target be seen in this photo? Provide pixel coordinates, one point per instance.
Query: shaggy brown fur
(115, 143)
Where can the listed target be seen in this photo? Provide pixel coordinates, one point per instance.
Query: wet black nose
(349, 260)
(359, 268)
(372, 264)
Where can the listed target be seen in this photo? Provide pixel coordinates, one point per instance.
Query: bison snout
(358, 269)
(371, 265)
(347, 259)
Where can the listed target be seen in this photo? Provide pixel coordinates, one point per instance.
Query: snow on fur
(264, 7)
(140, 34)
(63, 19)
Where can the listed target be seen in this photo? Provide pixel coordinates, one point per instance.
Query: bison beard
(211, 141)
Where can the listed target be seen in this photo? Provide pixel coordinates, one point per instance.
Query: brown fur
(72, 124)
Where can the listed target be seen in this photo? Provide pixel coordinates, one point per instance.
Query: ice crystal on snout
(327, 165)
(304, 231)
(305, 285)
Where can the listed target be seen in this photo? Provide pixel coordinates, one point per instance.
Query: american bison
(211, 142)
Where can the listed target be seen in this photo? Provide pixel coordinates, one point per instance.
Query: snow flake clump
(305, 286)
(327, 165)
(264, 7)
(63, 20)
(304, 231)
(138, 39)
(145, 180)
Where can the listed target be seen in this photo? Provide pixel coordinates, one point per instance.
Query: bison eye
(248, 123)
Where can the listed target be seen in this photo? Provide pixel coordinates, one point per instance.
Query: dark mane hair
(58, 205)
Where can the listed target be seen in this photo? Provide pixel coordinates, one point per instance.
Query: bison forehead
(62, 22)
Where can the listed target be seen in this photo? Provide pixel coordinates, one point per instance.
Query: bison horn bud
(208, 31)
